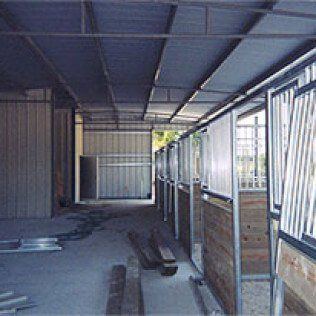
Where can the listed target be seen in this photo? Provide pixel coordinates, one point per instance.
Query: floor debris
(11, 303)
(29, 245)
(88, 222)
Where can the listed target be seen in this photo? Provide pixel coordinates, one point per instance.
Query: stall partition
(292, 190)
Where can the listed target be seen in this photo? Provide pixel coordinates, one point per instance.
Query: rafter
(95, 29)
(171, 17)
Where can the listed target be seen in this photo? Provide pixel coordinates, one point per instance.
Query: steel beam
(95, 29)
(37, 51)
(171, 17)
(173, 87)
(161, 36)
(211, 72)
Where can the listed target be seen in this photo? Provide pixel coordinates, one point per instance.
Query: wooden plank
(116, 290)
(146, 259)
(161, 247)
(299, 273)
(133, 303)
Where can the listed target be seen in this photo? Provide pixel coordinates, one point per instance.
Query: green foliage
(162, 138)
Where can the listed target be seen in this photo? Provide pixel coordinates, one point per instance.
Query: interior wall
(26, 155)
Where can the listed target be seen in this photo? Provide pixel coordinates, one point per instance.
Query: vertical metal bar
(236, 217)
(165, 189)
(176, 195)
(191, 191)
(256, 150)
(270, 190)
(157, 177)
(279, 297)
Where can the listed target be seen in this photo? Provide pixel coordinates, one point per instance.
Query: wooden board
(116, 290)
(161, 247)
(299, 274)
(254, 234)
(133, 303)
(218, 254)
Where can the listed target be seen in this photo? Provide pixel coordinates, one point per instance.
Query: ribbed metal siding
(116, 142)
(26, 156)
(124, 162)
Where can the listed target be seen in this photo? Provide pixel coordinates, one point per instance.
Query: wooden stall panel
(184, 219)
(218, 253)
(170, 201)
(299, 274)
(254, 234)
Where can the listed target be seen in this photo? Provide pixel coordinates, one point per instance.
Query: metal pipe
(270, 190)
(236, 217)
(191, 194)
(176, 191)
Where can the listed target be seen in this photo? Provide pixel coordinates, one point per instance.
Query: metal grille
(298, 205)
(251, 158)
(282, 108)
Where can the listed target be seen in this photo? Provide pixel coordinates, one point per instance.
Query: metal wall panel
(26, 155)
(124, 162)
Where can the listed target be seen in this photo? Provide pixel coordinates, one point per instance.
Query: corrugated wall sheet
(26, 155)
(124, 162)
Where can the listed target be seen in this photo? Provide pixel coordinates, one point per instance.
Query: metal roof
(175, 60)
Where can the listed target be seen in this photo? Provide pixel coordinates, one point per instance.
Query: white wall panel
(220, 155)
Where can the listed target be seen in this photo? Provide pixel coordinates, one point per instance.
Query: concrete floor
(75, 280)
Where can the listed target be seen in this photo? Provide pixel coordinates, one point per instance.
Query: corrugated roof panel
(132, 61)
(78, 61)
(47, 16)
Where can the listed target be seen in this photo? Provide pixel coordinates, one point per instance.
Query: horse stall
(291, 122)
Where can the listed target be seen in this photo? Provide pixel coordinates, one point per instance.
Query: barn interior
(96, 218)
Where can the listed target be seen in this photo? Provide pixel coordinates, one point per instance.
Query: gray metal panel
(26, 157)
(124, 162)
(110, 142)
